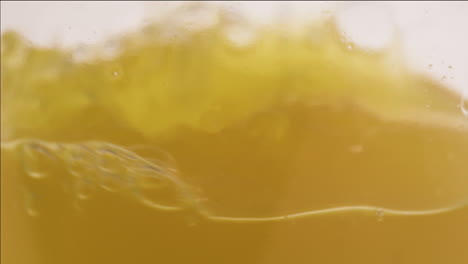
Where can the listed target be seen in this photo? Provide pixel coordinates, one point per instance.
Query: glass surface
(209, 132)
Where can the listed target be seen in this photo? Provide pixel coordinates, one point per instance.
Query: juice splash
(186, 147)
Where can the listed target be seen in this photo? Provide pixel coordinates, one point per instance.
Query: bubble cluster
(32, 158)
(97, 164)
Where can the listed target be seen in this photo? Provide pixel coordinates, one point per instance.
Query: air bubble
(36, 159)
(380, 213)
(79, 161)
(161, 190)
(193, 220)
(148, 178)
(155, 202)
(30, 203)
(112, 170)
(156, 158)
(463, 106)
(112, 181)
(356, 148)
(84, 189)
(108, 160)
(115, 72)
(84, 183)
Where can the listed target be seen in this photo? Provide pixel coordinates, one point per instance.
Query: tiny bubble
(356, 148)
(30, 203)
(380, 214)
(463, 107)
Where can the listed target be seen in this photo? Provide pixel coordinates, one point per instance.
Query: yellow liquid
(197, 151)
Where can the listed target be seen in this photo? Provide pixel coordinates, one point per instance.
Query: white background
(433, 33)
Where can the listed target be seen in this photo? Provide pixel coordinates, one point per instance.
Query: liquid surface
(191, 148)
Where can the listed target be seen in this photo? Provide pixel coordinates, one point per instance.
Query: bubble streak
(187, 200)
